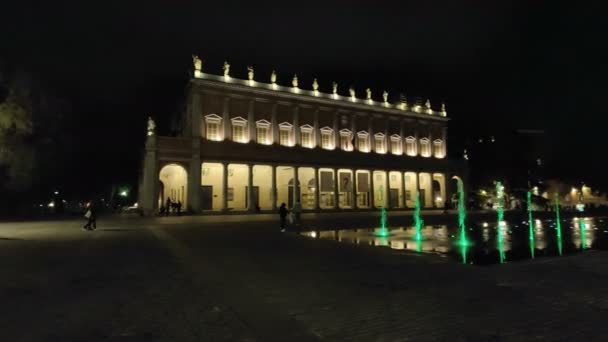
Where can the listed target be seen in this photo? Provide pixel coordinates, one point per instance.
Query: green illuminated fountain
(583, 238)
(530, 224)
(558, 225)
(501, 222)
(462, 214)
(417, 219)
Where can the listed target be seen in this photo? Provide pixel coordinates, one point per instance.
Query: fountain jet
(501, 222)
(530, 224)
(558, 225)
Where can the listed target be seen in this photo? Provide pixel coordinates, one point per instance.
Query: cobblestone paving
(198, 279)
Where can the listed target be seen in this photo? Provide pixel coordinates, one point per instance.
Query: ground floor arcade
(226, 186)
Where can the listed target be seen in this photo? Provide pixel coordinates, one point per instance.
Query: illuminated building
(246, 145)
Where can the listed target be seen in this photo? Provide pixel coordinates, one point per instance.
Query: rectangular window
(238, 133)
(230, 195)
(326, 141)
(380, 145)
(408, 195)
(438, 148)
(425, 148)
(284, 137)
(410, 146)
(362, 142)
(345, 143)
(213, 131)
(262, 135)
(396, 146)
(306, 139)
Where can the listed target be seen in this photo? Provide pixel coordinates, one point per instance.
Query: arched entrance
(174, 179)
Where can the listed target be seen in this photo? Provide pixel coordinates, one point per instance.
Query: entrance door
(393, 199)
(206, 197)
(255, 196)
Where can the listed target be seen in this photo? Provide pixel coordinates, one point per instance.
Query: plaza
(213, 278)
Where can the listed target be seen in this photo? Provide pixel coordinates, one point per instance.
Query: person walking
(283, 215)
(91, 216)
(296, 210)
(168, 205)
(178, 207)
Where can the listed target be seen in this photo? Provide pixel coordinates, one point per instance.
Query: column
(422, 205)
(274, 187)
(444, 137)
(274, 129)
(417, 143)
(372, 140)
(403, 188)
(296, 185)
(387, 139)
(336, 130)
(354, 189)
(149, 193)
(317, 189)
(353, 128)
(196, 116)
(251, 122)
(296, 126)
(225, 187)
(336, 185)
(386, 191)
(250, 204)
(372, 191)
(317, 133)
(194, 177)
(226, 119)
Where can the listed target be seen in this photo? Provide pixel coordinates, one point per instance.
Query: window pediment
(306, 128)
(262, 123)
(213, 118)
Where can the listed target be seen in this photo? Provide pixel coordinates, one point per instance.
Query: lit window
(327, 138)
(346, 140)
(425, 147)
(285, 129)
(410, 146)
(380, 143)
(396, 144)
(261, 130)
(238, 129)
(212, 126)
(438, 148)
(362, 141)
(306, 136)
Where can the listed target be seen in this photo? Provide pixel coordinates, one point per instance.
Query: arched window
(212, 127)
(410, 146)
(239, 129)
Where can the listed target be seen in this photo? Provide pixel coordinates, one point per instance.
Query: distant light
(313, 234)
(485, 224)
(56, 192)
(51, 205)
(124, 193)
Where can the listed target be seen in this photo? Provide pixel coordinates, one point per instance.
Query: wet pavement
(240, 279)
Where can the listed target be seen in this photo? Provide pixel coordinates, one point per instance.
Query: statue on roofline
(369, 93)
(443, 107)
(351, 91)
(315, 85)
(151, 126)
(250, 73)
(226, 69)
(334, 88)
(197, 63)
(273, 77)
(385, 96)
(427, 104)
(294, 82)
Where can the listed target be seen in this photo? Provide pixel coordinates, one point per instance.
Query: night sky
(498, 65)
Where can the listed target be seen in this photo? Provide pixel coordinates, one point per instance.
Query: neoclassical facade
(248, 146)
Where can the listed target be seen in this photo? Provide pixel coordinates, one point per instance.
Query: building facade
(248, 146)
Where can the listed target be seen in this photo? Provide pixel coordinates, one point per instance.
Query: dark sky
(497, 64)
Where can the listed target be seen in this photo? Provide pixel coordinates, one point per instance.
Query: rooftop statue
(351, 91)
(443, 106)
(315, 85)
(273, 77)
(151, 126)
(197, 62)
(369, 93)
(385, 96)
(294, 82)
(334, 88)
(250, 73)
(427, 104)
(226, 69)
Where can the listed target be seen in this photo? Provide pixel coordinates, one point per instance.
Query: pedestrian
(91, 217)
(296, 210)
(178, 207)
(283, 215)
(168, 205)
